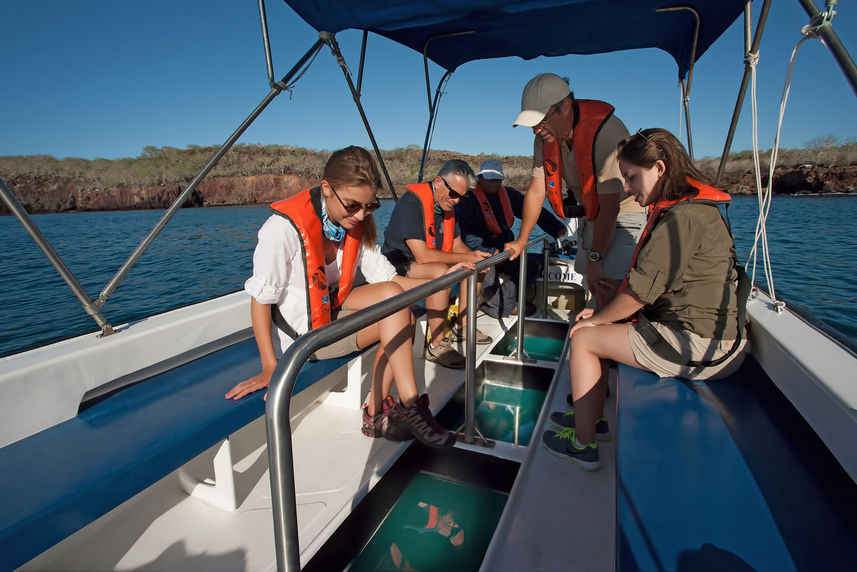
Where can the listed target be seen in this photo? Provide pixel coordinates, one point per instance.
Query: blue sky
(99, 78)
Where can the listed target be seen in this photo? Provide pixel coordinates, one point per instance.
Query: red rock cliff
(42, 195)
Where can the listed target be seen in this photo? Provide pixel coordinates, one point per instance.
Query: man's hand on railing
(517, 247)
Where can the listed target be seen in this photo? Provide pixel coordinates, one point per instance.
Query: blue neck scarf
(332, 231)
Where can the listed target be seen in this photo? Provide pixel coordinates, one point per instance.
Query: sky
(106, 78)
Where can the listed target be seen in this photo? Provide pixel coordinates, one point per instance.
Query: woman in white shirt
(304, 248)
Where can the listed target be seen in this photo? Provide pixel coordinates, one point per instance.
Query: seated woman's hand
(584, 314)
(255, 383)
(582, 320)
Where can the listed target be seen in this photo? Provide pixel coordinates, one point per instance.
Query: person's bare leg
(589, 348)
(437, 305)
(382, 381)
(393, 334)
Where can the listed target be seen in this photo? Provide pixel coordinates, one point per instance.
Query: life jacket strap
(280, 322)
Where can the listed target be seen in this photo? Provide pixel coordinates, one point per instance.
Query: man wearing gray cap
(486, 216)
(575, 143)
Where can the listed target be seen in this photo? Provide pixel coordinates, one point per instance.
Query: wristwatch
(594, 256)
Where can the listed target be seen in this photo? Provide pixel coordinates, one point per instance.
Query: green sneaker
(562, 445)
(565, 419)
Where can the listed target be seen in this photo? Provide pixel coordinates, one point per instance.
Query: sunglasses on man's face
(352, 208)
(544, 120)
(453, 194)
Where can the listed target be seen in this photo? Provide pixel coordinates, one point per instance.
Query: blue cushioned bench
(725, 475)
(59, 480)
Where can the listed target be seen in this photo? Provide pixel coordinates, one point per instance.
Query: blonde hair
(355, 167)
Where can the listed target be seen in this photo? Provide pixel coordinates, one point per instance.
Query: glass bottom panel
(437, 523)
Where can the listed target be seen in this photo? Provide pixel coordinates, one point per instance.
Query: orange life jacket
(590, 116)
(424, 194)
(705, 194)
(488, 212)
(303, 210)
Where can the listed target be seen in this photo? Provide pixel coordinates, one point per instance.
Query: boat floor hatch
(436, 509)
(543, 340)
(509, 399)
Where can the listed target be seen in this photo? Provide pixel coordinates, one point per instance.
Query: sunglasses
(352, 208)
(453, 194)
(643, 135)
(544, 120)
(649, 140)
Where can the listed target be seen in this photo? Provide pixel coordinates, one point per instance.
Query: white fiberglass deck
(559, 517)
(164, 529)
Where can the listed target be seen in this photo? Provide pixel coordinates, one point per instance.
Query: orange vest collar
(424, 193)
(590, 116)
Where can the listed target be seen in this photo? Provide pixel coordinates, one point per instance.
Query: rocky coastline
(44, 195)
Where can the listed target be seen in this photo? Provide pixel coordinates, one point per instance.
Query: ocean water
(205, 253)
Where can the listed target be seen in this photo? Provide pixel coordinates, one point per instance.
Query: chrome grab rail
(278, 428)
(522, 304)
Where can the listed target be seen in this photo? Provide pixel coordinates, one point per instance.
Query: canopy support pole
(685, 97)
(92, 307)
(831, 40)
(686, 81)
(330, 40)
(749, 56)
(276, 89)
(433, 105)
(362, 61)
(431, 121)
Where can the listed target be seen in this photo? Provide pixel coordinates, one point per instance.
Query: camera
(571, 209)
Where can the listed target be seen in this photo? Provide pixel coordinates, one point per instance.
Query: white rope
(765, 194)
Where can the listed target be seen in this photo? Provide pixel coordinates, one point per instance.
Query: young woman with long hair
(304, 270)
(681, 286)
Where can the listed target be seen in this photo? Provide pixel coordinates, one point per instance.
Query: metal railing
(282, 473)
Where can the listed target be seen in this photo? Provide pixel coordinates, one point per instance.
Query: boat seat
(61, 479)
(722, 475)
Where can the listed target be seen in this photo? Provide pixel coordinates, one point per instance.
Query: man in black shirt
(422, 241)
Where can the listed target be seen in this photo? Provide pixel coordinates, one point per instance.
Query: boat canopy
(454, 32)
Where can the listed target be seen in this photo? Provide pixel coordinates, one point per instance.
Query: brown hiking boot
(423, 424)
(385, 424)
(444, 354)
(457, 334)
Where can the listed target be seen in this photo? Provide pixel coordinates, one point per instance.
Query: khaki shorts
(687, 343)
(339, 348)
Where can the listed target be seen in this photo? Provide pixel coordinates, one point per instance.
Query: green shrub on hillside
(168, 165)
